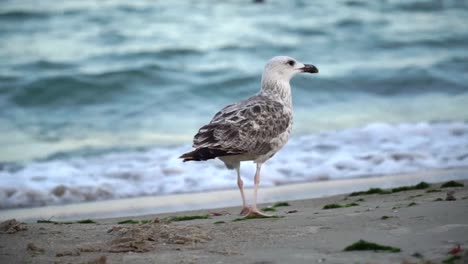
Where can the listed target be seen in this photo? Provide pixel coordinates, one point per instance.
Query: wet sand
(424, 225)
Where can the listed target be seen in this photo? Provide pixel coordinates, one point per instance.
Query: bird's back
(254, 128)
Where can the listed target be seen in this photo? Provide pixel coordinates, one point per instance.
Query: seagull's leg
(255, 211)
(240, 184)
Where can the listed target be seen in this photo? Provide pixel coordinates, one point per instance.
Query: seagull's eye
(291, 62)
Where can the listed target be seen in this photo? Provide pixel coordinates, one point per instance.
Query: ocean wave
(425, 6)
(61, 89)
(82, 89)
(454, 63)
(375, 149)
(227, 86)
(154, 54)
(451, 41)
(386, 82)
(22, 15)
(64, 91)
(44, 65)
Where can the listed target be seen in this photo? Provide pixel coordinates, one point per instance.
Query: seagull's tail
(203, 154)
(188, 156)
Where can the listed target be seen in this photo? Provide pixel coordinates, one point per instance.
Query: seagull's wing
(247, 127)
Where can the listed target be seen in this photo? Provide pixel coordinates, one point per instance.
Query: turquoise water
(89, 80)
(86, 74)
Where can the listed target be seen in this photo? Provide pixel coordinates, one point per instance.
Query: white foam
(376, 149)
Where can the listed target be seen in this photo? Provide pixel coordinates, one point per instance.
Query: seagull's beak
(309, 68)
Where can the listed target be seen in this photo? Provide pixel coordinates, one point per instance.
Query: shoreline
(420, 223)
(138, 206)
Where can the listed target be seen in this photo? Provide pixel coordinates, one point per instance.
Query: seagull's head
(283, 68)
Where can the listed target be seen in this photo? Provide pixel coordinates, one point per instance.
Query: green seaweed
(86, 221)
(412, 204)
(128, 221)
(281, 204)
(419, 186)
(334, 206)
(362, 245)
(433, 190)
(186, 218)
(255, 217)
(269, 209)
(54, 222)
(219, 222)
(451, 260)
(438, 199)
(370, 191)
(133, 221)
(452, 184)
(360, 200)
(415, 196)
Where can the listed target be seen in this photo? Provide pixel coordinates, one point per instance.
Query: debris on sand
(100, 260)
(34, 249)
(143, 238)
(219, 213)
(365, 245)
(89, 248)
(74, 252)
(334, 206)
(450, 196)
(451, 260)
(250, 217)
(455, 250)
(12, 226)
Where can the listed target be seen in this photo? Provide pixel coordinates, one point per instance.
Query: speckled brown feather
(247, 127)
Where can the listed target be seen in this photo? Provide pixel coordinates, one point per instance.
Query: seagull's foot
(256, 213)
(245, 210)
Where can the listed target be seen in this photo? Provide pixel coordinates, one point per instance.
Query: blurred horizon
(111, 92)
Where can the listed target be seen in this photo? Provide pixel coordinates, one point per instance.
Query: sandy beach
(425, 224)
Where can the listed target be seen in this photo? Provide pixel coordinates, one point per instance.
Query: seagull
(253, 129)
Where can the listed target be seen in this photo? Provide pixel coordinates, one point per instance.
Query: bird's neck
(277, 90)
